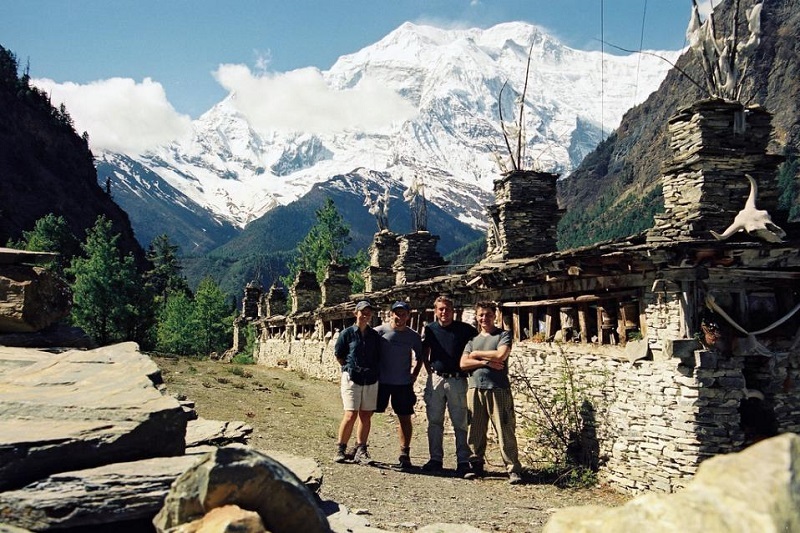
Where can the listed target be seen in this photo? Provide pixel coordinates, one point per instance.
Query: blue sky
(170, 49)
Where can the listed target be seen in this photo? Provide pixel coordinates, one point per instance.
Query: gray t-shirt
(396, 354)
(485, 377)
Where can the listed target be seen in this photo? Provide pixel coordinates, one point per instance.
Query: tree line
(114, 302)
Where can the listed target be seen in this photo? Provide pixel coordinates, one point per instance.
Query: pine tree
(324, 244)
(177, 331)
(164, 276)
(51, 234)
(105, 287)
(212, 316)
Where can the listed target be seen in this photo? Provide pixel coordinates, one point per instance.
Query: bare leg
(346, 426)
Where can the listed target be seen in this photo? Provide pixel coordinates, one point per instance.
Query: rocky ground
(293, 413)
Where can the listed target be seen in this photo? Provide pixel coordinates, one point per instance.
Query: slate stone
(82, 409)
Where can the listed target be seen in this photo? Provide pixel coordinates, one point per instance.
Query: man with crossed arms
(489, 396)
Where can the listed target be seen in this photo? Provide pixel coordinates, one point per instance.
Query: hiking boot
(404, 462)
(362, 455)
(478, 468)
(514, 479)
(432, 466)
(339, 456)
(465, 470)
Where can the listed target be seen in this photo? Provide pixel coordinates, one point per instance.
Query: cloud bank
(301, 100)
(119, 114)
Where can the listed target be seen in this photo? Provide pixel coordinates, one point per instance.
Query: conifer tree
(325, 243)
(164, 276)
(105, 287)
(177, 330)
(51, 234)
(212, 316)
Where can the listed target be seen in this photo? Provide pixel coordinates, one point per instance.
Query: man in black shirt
(444, 341)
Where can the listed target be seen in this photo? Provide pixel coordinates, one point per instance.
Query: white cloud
(300, 100)
(118, 113)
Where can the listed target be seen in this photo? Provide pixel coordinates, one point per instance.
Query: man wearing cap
(357, 350)
(401, 347)
(444, 341)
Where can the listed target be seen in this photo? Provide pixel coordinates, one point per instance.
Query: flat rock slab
(118, 492)
(82, 409)
(103, 495)
(216, 432)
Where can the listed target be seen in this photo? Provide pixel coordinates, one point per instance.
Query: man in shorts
(401, 347)
(357, 350)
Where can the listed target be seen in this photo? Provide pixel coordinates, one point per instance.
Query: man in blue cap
(400, 350)
(357, 350)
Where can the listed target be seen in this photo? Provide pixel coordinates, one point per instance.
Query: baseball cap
(363, 304)
(401, 305)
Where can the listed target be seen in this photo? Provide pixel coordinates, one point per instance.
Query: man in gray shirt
(489, 396)
(400, 347)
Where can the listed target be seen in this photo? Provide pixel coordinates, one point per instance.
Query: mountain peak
(452, 78)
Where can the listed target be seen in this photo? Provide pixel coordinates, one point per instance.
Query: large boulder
(756, 490)
(31, 298)
(237, 475)
(82, 409)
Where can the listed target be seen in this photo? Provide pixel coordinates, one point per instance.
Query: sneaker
(465, 470)
(514, 479)
(362, 455)
(339, 456)
(404, 462)
(432, 466)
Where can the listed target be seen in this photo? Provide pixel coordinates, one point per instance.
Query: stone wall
(654, 422)
(311, 357)
(650, 423)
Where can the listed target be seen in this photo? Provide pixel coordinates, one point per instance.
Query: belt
(451, 374)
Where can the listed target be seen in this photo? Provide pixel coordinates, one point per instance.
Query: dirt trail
(296, 414)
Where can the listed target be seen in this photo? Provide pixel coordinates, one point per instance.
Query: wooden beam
(583, 310)
(572, 300)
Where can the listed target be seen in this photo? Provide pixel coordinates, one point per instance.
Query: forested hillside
(46, 167)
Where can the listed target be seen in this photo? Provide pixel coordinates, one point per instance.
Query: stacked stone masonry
(418, 258)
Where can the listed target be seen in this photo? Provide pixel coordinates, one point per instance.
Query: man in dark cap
(357, 350)
(400, 350)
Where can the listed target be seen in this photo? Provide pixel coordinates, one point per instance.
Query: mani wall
(647, 424)
(608, 339)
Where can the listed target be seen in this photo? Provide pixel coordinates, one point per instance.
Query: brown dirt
(293, 413)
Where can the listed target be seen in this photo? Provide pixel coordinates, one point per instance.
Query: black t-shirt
(447, 344)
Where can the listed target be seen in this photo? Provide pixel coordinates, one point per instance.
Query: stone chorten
(336, 286)
(417, 258)
(383, 253)
(305, 292)
(252, 295)
(524, 218)
(714, 143)
(276, 301)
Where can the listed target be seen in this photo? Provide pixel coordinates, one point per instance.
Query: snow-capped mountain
(453, 79)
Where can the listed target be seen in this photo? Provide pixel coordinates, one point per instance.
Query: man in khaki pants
(489, 396)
